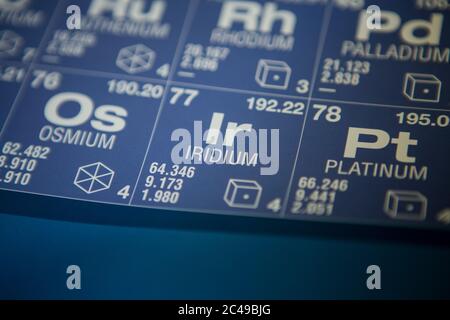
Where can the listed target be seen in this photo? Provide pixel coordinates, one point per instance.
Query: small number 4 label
(124, 192)
(274, 205)
(163, 71)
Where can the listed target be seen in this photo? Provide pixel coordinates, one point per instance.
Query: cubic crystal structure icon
(94, 177)
(242, 194)
(273, 74)
(405, 205)
(422, 87)
(135, 59)
(10, 43)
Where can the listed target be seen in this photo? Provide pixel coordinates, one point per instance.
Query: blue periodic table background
(133, 252)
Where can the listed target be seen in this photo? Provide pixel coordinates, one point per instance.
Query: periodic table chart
(290, 109)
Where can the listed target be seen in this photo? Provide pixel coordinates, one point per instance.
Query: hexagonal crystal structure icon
(10, 43)
(135, 59)
(94, 177)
